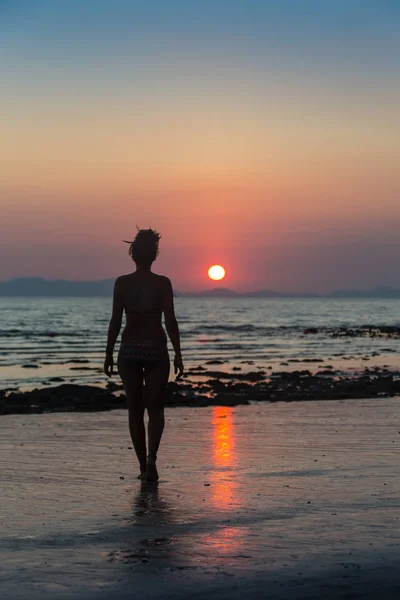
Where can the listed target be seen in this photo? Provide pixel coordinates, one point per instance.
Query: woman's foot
(143, 469)
(151, 470)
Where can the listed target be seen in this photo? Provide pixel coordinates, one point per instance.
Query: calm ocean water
(40, 337)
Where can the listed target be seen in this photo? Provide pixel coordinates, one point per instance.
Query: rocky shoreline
(203, 387)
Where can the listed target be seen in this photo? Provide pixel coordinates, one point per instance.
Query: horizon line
(216, 290)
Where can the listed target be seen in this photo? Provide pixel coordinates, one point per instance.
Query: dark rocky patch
(77, 360)
(228, 391)
(251, 376)
(203, 389)
(313, 360)
(327, 372)
(370, 331)
(66, 397)
(113, 387)
(215, 362)
(291, 374)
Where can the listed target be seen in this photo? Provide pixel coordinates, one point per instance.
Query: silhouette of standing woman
(143, 361)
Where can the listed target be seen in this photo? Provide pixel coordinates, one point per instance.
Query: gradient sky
(261, 135)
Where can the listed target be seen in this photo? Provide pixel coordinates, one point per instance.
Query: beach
(272, 500)
(279, 462)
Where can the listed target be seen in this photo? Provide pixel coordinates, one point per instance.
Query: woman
(143, 361)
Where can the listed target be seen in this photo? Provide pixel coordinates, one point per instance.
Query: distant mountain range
(37, 286)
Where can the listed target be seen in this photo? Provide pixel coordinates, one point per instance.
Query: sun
(216, 272)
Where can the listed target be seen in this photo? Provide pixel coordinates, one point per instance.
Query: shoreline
(208, 387)
(49, 361)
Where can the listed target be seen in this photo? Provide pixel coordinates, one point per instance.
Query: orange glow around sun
(216, 272)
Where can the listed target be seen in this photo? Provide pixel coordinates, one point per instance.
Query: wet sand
(279, 500)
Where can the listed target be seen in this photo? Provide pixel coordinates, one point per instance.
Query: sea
(48, 340)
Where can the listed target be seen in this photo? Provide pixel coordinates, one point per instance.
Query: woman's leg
(132, 379)
(156, 379)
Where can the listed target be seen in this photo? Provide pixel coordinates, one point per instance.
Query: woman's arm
(171, 325)
(114, 326)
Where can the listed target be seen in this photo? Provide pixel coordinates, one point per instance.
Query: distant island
(37, 286)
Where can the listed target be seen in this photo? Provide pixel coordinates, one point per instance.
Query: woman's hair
(144, 248)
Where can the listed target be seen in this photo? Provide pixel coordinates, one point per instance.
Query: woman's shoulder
(123, 279)
(158, 280)
(123, 283)
(162, 279)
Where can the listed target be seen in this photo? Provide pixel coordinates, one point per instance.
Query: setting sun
(216, 272)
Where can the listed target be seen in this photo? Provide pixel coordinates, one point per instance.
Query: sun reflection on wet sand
(225, 540)
(223, 436)
(224, 487)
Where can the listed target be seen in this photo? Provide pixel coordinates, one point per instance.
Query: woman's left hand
(178, 367)
(109, 365)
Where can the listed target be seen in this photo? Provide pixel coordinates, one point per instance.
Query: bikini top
(147, 301)
(144, 312)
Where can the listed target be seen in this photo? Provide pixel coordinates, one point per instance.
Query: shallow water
(262, 495)
(46, 333)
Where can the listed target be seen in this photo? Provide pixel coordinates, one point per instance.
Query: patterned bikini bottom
(142, 354)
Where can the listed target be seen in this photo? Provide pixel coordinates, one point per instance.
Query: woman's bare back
(142, 295)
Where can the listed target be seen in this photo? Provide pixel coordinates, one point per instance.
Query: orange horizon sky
(259, 137)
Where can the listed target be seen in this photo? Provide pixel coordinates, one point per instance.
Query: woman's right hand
(109, 365)
(178, 367)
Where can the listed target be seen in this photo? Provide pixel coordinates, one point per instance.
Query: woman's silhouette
(143, 361)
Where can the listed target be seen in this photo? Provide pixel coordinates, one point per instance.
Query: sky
(260, 135)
